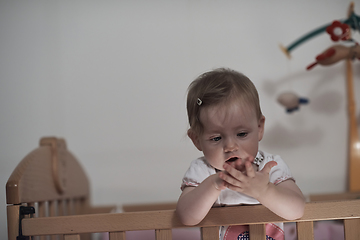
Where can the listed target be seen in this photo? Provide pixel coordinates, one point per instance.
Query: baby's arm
(284, 199)
(195, 202)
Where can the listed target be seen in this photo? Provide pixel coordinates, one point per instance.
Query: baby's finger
(229, 180)
(250, 172)
(235, 188)
(234, 172)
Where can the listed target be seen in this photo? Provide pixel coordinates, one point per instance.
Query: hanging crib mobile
(348, 50)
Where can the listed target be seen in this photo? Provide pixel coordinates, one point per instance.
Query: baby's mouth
(239, 166)
(233, 159)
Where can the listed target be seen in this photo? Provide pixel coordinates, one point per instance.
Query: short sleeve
(280, 172)
(198, 171)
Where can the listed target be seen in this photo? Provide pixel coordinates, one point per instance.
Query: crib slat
(69, 207)
(210, 233)
(163, 234)
(52, 209)
(65, 205)
(76, 207)
(117, 236)
(257, 232)
(352, 228)
(52, 213)
(60, 210)
(72, 237)
(13, 221)
(305, 230)
(41, 209)
(42, 213)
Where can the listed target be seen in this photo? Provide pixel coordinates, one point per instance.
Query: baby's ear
(194, 138)
(261, 126)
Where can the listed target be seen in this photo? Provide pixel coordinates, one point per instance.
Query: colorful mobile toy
(291, 101)
(339, 30)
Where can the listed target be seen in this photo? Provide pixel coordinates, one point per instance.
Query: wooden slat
(52, 213)
(257, 232)
(41, 209)
(117, 236)
(305, 230)
(72, 237)
(69, 207)
(52, 209)
(60, 208)
(210, 233)
(352, 229)
(41, 213)
(77, 206)
(13, 221)
(148, 207)
(111, 222)
(60, 205)
(163, 234)
(167, 219)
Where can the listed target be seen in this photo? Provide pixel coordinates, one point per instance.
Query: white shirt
(200, 169)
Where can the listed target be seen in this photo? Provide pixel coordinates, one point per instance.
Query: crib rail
(52, 181)
(165, 220)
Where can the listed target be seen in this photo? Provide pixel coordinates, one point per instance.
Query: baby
(226, 124)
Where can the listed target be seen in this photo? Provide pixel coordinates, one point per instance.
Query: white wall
(111, 78)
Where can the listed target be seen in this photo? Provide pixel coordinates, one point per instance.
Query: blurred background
(111, 78)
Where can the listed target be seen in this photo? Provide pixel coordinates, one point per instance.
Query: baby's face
(231, 134)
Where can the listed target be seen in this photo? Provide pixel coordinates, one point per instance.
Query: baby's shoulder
(200, 163)
(267, 157)
(199, 170)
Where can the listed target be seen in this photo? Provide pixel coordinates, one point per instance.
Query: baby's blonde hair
(218, 86)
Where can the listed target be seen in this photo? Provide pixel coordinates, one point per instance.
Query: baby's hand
(251, 183)
(241, 167)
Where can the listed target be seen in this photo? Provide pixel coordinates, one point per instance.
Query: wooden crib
(48, 195)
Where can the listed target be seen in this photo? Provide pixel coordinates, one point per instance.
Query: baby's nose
(231, 145)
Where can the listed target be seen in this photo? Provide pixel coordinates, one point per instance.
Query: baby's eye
(242, 134)
(216, 139)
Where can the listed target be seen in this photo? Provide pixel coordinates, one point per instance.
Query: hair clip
(199, 102)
